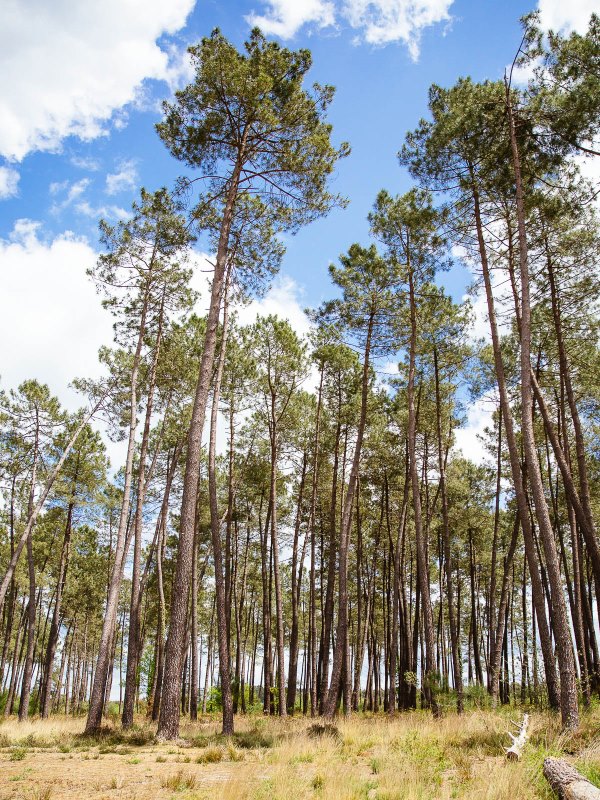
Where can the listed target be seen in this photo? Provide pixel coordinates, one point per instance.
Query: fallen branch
(567, 782)
(513, 753)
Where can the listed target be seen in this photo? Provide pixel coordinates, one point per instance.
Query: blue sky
(80, 91)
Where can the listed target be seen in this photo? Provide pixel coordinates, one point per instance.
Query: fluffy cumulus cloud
(66, 67)
(282, 300)
(378, 22)
(9, 182)
(384, 21)
(284, 18)
(468, 439)
(559, 15)
(51, 320)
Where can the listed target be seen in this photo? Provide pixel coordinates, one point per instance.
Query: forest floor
(372, 758)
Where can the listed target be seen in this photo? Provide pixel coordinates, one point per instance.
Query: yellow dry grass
(409, 757)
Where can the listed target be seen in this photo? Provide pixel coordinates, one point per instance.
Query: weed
(180, 782)
(302, 758)
(18, 753)
(41, 793)
(253, 739)
(211, 755)
(233, 753)
(317, 731)
(20, 775)
(318, 782)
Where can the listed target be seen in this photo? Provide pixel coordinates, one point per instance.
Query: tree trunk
(295, 597)
(215, 529)
(341, 639)
(45, 700)
(168, 725)
(421, 543)
(537, 590)
(568, 687)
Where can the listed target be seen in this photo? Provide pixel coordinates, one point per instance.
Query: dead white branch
(518, 742)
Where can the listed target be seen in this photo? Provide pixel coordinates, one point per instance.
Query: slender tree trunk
(98, 693)
(499, 632)
(168, 726)
(28, 669)
(312, 530)
(45, 699)
(455, 644)
(341, 639)
(421, 544)
(295, 597)
(327, 615)
(275, 556)
(215, 529)
(392, 704)
(134, 643)
(537, 590)
(568, 688)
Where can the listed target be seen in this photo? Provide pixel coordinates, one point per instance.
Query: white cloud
(283, 300)
(559, 15)
(56, 187)
(71, 192)
(89, 164)
(109, 212)
(379, 22)
(522, 73)
(284, 18)
(51, 320)
(385, 21)
(125, 178)
(468, 441)
(66, 67)
(180, 70)
(9, 182)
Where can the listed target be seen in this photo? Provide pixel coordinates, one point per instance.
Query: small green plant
(318, 782)
(302, 758)
(41, 793)
(180, 782)
(211, 755)
(18, 753)
(20, 775)
(233, 753)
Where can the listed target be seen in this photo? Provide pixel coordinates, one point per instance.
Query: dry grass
(411, 757)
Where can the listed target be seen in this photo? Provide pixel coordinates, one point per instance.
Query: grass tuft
(318, 731)
(180, 782)
(212, 755)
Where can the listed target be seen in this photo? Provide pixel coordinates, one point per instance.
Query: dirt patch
(95, 776)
